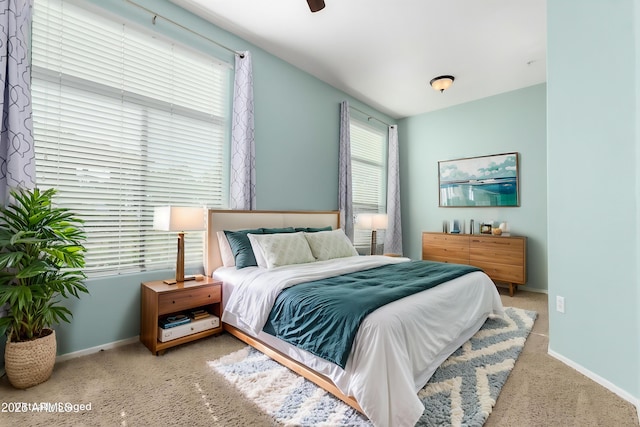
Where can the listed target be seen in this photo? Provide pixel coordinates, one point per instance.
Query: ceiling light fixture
(441, 83)
(315, 5)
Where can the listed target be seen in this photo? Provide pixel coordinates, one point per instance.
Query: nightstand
(158, 300)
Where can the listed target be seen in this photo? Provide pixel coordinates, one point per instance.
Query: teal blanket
(323, 316)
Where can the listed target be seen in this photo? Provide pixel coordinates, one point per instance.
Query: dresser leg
(512, 288)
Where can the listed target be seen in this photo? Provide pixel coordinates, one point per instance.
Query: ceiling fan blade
(316, 5)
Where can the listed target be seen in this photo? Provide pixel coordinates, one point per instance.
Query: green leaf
(34, 269)
(5, 323)
(10, 259)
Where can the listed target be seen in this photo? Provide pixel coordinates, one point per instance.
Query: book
(174, 320)
(199, 314)
(199, 311)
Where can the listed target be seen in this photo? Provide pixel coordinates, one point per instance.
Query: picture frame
(483, 181)
(485, 228)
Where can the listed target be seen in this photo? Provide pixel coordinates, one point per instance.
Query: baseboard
(597, 378)
(97, 348)
(536, 290)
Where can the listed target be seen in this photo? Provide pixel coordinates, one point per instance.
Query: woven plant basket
(30, 363)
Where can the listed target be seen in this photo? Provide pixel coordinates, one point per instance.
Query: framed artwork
(479, 181)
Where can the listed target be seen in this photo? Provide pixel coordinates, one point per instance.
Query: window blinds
(368, 175)
(125, 121)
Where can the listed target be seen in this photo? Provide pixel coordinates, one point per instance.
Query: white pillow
(330, 244)
(226, 254)
(283, 248)
(257, 251)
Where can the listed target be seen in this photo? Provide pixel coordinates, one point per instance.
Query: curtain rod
(369, 117)
(155, 16)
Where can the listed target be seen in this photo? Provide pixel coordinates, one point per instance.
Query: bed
(396, 348)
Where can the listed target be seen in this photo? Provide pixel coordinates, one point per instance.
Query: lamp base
(374, 243)
(197, 277)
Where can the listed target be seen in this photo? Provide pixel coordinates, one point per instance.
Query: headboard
(219, 220)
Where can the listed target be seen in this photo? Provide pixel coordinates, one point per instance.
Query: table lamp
(373, 222)
(180, 219)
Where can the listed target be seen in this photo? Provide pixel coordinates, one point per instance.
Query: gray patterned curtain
(345, 195)
(242, 191)
(17, 156)
(393, 234)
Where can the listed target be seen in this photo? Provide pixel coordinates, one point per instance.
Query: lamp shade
(175, 218)
(372, 221)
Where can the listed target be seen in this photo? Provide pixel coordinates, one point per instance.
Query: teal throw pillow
(277, 230)
(314, 229)
(241, 247)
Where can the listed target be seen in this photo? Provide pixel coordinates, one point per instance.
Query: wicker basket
(30, 363)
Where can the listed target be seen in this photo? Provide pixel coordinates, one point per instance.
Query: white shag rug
(462, 391)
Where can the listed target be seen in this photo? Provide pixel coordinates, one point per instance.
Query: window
(369, 176)
(124, 121)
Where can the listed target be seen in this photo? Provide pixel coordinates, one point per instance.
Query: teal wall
(513, 121)
(296, 131)
(592, 115)
(637, 198)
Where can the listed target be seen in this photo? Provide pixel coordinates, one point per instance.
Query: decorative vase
(30, 363)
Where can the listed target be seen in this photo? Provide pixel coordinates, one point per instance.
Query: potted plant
(41, 261)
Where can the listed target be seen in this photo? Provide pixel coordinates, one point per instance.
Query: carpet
(462, 391)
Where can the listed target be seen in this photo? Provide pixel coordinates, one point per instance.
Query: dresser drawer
(169, 302)
(502, 272)
(445, 239)
(453, 251)
(447, 259)
(507, 243)
(445, 247)
(496, 255)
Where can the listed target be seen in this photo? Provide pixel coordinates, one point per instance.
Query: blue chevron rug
(462, 391)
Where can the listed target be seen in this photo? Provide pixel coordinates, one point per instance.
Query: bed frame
(219, 220)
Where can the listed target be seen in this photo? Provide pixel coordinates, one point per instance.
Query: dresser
(503, 258)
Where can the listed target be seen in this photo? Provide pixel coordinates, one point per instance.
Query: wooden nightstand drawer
(171, 302)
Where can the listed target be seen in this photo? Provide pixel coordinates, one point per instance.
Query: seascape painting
(479, 181)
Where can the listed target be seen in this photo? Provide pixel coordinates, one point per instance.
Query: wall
(513, 121)
(593, 188)
(296, 131)
(637, 198)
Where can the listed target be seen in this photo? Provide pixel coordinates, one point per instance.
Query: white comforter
(398, 346)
